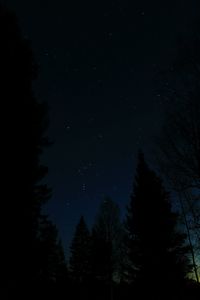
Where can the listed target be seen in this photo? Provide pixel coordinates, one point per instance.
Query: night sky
(98, 62)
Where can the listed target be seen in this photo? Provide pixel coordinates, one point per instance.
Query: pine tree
(80, 253)
(106, 241)
(23, 125)
(51, 265)
(106, 255)
(156, 250)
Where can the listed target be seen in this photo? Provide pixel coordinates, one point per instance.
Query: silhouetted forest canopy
(153, 250)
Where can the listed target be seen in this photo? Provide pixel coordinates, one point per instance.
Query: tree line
(147, 252)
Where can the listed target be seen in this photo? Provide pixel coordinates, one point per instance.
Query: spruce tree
(156, 250)
(23, 125)
(106, 242)
(80, 253)
(51, 263)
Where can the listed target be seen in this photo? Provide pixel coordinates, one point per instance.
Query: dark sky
(98, 61)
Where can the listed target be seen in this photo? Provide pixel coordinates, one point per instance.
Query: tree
(51, 265)
(24, 122)
(179, 142)
(178, 146)
(80, 253)
(107, 236)
(156, 250)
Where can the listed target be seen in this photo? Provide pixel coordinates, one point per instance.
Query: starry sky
(98, 61)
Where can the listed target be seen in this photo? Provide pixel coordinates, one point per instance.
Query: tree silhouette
(80, 253)
(178, 146)
(107, 235)
(157, 251)
(52, 266)
(50, 269)
(22, 135)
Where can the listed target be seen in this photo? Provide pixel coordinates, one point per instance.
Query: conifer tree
(23, 125)
(51, 265)
(106, 241)
(157, 251)
(80, 253)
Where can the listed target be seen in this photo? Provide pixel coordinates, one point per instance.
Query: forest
(154, 250)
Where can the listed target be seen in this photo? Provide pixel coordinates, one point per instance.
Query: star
(79, 172)
(84, 187)
(100, 136)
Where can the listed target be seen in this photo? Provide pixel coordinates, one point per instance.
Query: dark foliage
(80, 253)
(157, 251)
(107, 242)
(177, 150)
(23, 124)
(51, 258)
